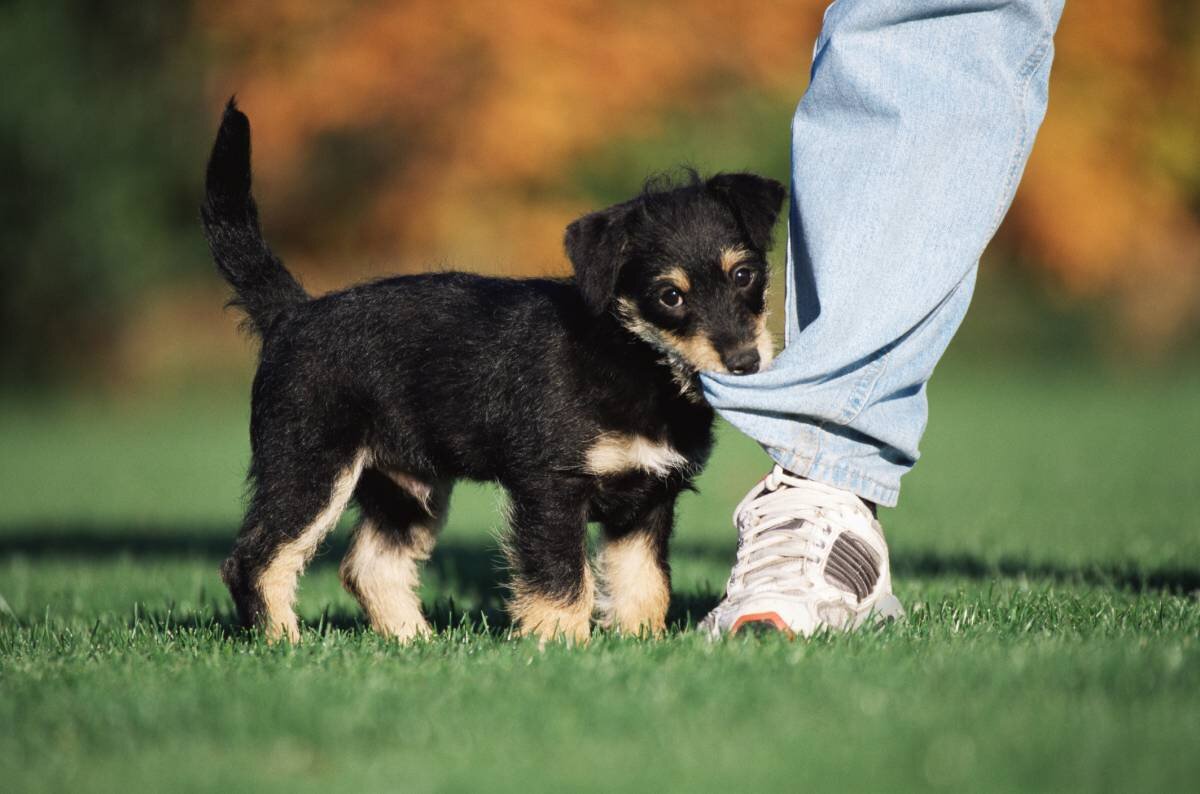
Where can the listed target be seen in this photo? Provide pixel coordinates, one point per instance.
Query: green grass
(1047, 547)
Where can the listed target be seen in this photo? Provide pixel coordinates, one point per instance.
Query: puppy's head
(685, 269)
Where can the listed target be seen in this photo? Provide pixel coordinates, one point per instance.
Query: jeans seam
(817, 431)
(863, 389)
(1024, 77)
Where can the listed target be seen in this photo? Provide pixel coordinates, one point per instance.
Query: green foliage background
(105, 122)
(102, 128)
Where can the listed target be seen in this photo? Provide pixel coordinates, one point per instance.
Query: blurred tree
(1110, 204)
(393, 136)
(472, 118)
(477, 121)
(99, 152)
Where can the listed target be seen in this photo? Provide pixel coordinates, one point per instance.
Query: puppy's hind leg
(401, 517)
(291, 512)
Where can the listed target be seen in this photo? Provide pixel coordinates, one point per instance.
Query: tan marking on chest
(621, 453)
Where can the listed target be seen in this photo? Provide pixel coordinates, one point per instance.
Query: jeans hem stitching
(839, 475)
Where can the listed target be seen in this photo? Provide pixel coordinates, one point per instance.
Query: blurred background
(399, 136)
(1048, 543)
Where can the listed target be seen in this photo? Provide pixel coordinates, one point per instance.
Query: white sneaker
(810, 557)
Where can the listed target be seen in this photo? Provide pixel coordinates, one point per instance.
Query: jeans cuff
(821, 462)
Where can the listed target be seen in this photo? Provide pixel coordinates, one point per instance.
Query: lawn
(1047, 547)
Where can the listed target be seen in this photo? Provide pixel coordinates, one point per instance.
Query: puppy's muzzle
(741, 362)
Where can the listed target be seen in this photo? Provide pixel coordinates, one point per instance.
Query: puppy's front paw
(549, 619)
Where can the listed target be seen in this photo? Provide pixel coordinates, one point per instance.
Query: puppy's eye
(743, 277)
(671, 298)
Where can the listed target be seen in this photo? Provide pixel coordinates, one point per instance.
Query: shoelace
(774, 552)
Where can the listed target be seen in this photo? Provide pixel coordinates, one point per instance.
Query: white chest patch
(620, 453)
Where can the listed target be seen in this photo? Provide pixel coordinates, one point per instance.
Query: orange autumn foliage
(472, 116)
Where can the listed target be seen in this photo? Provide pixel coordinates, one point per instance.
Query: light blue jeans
(906, 151)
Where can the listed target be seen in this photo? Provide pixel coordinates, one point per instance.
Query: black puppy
(579, 396)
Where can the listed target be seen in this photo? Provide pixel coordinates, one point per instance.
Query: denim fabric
(906, 151)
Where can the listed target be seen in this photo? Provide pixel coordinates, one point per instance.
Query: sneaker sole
(761, 623)
(886, 610)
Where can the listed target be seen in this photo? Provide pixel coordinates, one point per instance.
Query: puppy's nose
(742, 362)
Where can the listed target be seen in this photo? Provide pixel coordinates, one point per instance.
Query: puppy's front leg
(635, 574)
(552, 590)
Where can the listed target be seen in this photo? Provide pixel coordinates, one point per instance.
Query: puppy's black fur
(579, 396)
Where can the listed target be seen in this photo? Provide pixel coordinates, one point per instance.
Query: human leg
(907, 149)
(906, 152)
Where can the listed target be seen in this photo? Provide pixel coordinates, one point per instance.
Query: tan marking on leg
(621, 453)
(546, 618)
(384, 576)
(420, 490)
(383, 572)
(277, 582)
(634, 591)
(732, 257)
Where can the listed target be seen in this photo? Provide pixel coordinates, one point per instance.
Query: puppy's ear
(594, 245)
(755, 200)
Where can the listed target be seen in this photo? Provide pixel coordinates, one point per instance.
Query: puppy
(578, 396)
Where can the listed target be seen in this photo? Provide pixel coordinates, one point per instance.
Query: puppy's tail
(262, 286)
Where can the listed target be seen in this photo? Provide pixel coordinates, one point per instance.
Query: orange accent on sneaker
(762, 617)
